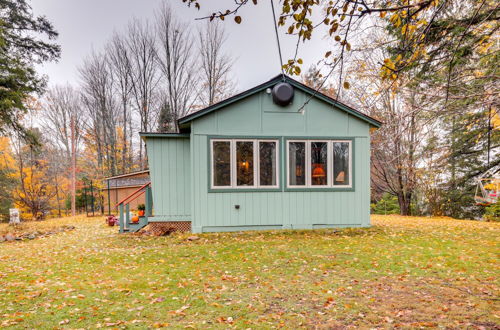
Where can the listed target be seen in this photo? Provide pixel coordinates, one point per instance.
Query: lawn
(403, 271)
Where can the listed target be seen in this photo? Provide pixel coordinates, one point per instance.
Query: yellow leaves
(346, 85)
(395, 19)
(158, 325)
(389, 64)
(495, 120)
(334, 27)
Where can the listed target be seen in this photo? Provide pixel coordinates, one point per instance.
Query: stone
(9, 237)
(193, 238)
(31, 236)
(2, 239)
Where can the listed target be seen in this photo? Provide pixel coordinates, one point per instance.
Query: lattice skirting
(163, 228)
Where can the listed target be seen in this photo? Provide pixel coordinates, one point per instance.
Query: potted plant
(141, 209)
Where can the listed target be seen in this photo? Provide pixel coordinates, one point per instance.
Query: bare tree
(60, 105)
(98, 98)
(119, 57)
(176, 60)
(215, 65)
(62, 120)
(143, 71)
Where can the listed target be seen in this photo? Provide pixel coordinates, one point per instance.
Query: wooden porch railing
(124, 206)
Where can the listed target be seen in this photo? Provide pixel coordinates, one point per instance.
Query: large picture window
(244, 163)
(319, 163)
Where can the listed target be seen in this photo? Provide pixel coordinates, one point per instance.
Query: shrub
(388, 204)
(492, 212)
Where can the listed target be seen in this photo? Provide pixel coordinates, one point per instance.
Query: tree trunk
(404, 200)
(73, 167)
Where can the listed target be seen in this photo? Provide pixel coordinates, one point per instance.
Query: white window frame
(256, 164)
(212, 164)
(330, 148)
(330, 169)
(307, 156)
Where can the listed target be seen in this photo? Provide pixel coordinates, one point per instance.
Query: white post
(14, 217)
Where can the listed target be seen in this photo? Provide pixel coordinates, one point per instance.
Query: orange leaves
(228, 320)
(330, 301)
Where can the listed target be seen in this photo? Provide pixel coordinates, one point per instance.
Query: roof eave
(145, 135)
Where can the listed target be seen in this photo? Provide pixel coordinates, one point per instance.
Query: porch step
(135, 227)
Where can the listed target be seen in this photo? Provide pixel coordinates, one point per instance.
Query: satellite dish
(282, 94)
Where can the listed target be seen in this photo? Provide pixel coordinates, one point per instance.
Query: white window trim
(276, 157)
(330, 167)
(288, 164)
(256, 164)
(212, 162)
(350, 164)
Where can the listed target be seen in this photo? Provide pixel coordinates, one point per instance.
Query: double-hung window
(244, 163)
(319, 163)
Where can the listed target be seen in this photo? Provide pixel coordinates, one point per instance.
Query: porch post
(127, 215)
(122, 224)
(149, 202)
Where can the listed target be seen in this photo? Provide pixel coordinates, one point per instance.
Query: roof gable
(313, 93)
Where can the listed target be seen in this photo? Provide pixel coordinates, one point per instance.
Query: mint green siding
(180, 169)
(169, 164)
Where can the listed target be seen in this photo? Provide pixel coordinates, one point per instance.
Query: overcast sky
(84, 25)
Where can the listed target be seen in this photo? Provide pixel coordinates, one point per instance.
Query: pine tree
(165, 122)
(20, 49)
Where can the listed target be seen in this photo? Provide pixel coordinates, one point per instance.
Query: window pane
(244, 163)
(267, 155)
(319, 161)
(297, 163)
(341, 163)
(222, 163)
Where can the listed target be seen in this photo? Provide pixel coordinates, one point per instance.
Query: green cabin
(277, 156)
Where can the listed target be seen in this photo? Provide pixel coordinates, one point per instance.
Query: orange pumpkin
(135, 219)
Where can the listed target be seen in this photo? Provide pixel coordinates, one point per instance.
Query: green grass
(403, 271)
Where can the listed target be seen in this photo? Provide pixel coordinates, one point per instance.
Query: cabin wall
(258, 116)
(169, 164)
